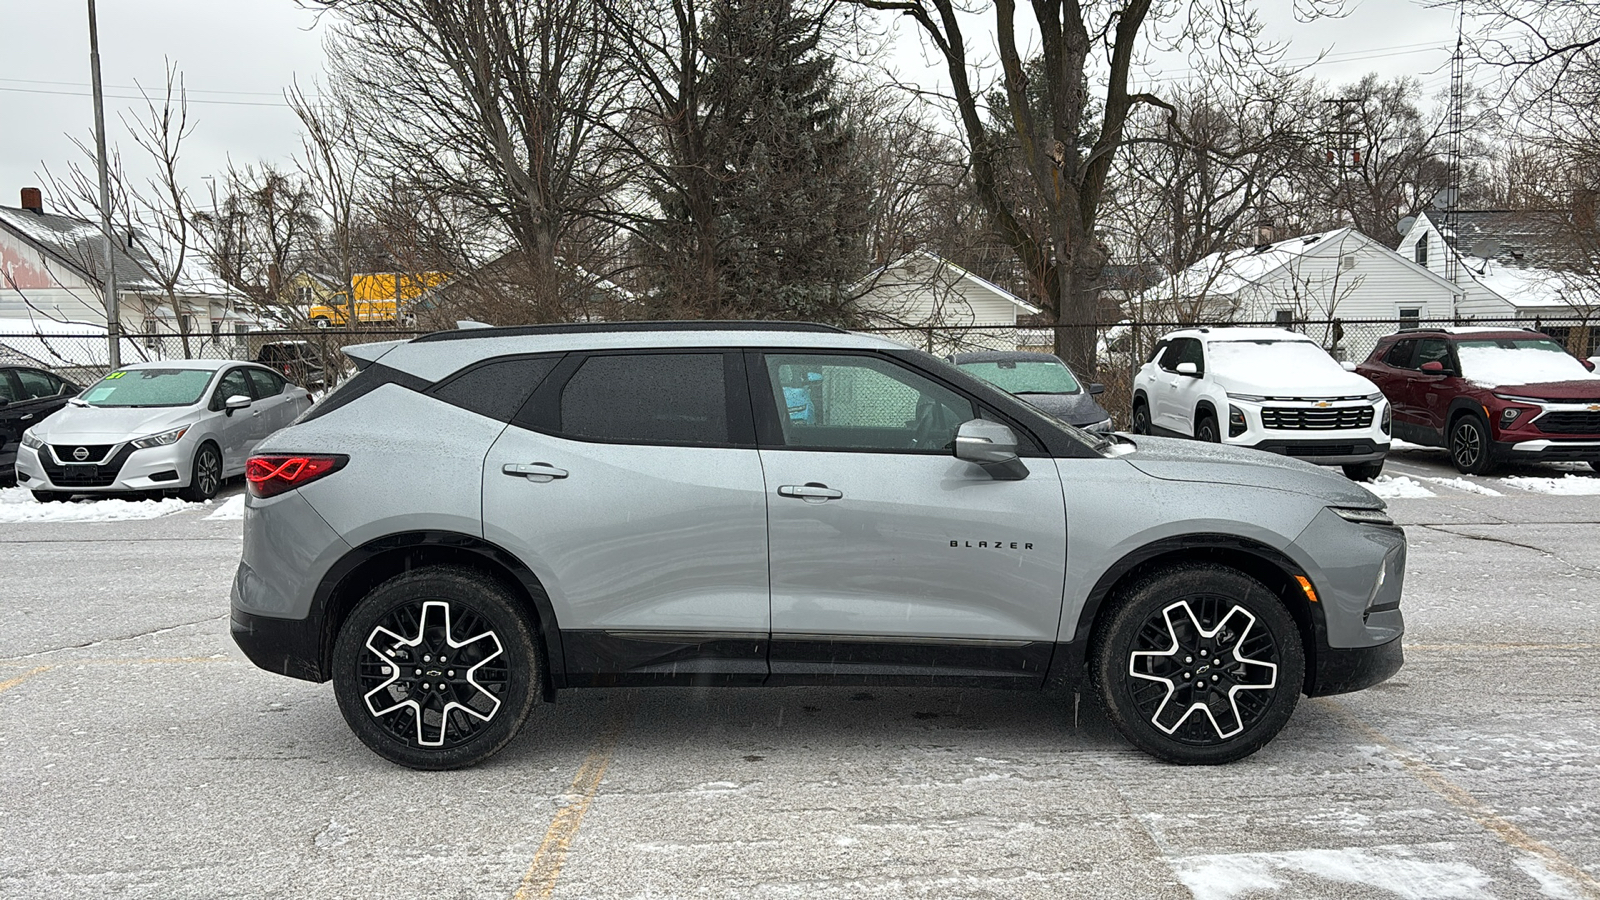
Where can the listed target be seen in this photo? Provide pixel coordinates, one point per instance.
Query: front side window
(1433, 350)
(1399, 355)
(1184, 350)
(233, 384)
(1025, 376)
(828, 402)
(150, 388)
(648, 398)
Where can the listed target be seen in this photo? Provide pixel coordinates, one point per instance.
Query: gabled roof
(942, 264)
(1525, 269)
(77, 244)
(1226, 272)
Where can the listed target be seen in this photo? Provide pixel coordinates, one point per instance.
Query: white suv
(1266, 388)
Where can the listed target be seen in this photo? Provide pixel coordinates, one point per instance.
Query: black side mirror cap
(1097, 388)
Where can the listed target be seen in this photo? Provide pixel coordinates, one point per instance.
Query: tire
(1364, 471)
(51, 496)
(1205, 429)
(1144, 683)
(320, 322)
(1470, 445)
(1141, 418)
(205, 475)
(431, 612)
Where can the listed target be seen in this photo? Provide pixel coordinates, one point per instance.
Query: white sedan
(179, 426)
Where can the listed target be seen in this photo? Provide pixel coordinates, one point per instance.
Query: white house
(1314, 279)
(1510, 264)
(933, 304)
(51, 287)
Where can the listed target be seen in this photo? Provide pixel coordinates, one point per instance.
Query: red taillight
(269, 476)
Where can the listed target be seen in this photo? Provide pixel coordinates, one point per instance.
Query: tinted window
(266, 384)
(1433, 350)
(233, 384)
(8, 390)
(862, 403)
(36, 385)
(150, 387)
(1189, 351)
(498, 388)
(1399, 355)
(659, 398)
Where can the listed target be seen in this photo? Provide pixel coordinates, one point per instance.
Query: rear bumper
(287, 646)
(1341, 670)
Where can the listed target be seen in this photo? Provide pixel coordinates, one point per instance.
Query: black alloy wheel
(436, 668)
(1469, 445)
(1141, 418)
(205, 478)
(1206, 430)
(1199, 664)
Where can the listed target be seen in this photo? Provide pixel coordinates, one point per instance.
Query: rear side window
(656, 398)
(38, 385)
(266, 384)
(497, 388)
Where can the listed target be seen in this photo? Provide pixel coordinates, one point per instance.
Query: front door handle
(537, 472)
(27, 417)
(811, 492)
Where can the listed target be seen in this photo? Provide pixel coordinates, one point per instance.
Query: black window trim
(769, 430)
(542, 412)
(433, 390)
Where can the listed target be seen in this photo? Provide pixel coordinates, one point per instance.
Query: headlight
(1363, 516)
(1374, 398)
(164, 439)
(1515, 399)
(1248, 398)
(31, 442)
(1101, 427)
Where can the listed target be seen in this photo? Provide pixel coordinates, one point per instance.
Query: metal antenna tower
(1452, 191)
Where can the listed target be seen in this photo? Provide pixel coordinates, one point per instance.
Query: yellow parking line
(540, 879)
(1463, 800)
(1500, 645)
(13, 682)
(145, 661)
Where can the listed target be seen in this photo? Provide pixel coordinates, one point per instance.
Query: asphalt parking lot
(141, 756)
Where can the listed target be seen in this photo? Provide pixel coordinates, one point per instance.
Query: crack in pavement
(112, 640)
(1446, 529)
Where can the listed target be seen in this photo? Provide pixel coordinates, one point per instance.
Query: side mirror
(992, 446)
(1097, 388)
(4, 403)
(1587, 364)
(1433, 367)
(237, 401)
(1189, 369)
(1348, 366)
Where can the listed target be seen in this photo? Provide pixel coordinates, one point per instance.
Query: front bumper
(1315, 443)
(123, 468)
(1340, 670)
(1549, 449)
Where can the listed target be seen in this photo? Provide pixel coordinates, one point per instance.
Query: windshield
(1269, 357)
(149, 387)
(1025, 376)
(1498, 361)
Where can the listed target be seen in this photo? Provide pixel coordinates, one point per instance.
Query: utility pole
(1342, 150)
(113, 308)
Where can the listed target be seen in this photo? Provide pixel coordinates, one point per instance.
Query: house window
(1410, 318)
(1422, 252)
(303, 294)
(216, 328)
(1283, 318)
(186, 323)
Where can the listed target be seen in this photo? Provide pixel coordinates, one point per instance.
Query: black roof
(615, 327)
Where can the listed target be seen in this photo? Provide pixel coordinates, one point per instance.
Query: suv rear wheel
(436, 668)
(1200, 664)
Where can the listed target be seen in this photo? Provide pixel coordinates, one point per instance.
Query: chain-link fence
(1120, 348)
(312, 358)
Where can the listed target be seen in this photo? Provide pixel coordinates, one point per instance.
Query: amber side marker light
(1305, 585)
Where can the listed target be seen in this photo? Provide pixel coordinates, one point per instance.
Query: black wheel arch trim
(330, 606)
(1070, 666)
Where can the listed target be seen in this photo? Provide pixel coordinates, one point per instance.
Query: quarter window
(658, 398)
(498, 388)
(828, 402)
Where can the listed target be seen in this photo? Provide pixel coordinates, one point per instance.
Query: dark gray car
(1043, 381)
(480, 519)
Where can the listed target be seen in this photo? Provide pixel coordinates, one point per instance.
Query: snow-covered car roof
(1239, 334)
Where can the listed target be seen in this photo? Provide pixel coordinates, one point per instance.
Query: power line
(135, 87)
(13, 90)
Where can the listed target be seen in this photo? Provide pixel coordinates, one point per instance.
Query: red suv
(1489, 395)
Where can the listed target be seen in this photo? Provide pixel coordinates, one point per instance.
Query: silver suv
(482, 518)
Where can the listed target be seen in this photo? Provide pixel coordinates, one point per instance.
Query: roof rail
(614, 327)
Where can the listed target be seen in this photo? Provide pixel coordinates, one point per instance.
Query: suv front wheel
(1469, 445)
(436, 668)
(1200, 664)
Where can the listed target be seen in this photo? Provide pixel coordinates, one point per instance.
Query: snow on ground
(232, 509)
(1398, 444)
(1461, 484)
(1397, 487)
(18, 506)
(1568, 485)
(1393, 872)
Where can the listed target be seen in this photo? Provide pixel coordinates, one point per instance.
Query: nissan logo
(80, 454)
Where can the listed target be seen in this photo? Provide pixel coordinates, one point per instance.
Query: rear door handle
(812, 492)
(538, 472)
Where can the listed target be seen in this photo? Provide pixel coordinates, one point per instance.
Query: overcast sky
(237, 56)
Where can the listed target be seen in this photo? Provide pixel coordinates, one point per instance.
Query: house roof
(940, 262)
(1226, 272)
(77, 244)
(1530, 251)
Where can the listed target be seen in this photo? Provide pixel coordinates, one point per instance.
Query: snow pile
(1461, 484)
(1567, 485)
(1397, 487)
(231, 510)
(18, 506)
(1388, 871)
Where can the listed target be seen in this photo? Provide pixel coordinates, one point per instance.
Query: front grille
(1313, 419)
(86, 475)
(1569, 423)
(93, 453)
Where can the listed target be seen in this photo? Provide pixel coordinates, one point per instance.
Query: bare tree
(335, 162)
(261, 226)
